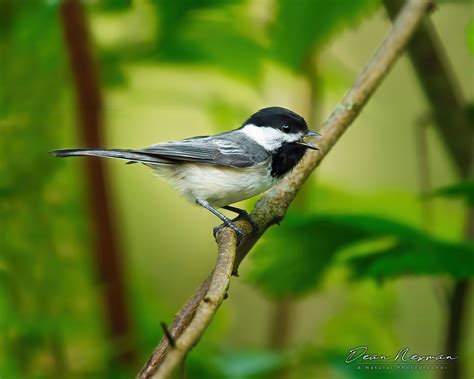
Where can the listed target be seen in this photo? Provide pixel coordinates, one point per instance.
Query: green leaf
(291, 261)
(209, 33)
(217, 43)
(430, 257)
(175, 16)
(298, 30)
(463, 190)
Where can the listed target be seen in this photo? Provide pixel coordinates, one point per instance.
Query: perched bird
(222, 169)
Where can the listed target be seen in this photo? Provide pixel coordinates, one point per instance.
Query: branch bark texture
(196, 315)
(272, 206)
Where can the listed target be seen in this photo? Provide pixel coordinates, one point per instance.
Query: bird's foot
(239, 233)
(245, 216)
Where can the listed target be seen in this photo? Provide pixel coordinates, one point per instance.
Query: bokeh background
(94, 255)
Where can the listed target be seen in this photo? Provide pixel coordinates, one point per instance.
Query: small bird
(218, 170)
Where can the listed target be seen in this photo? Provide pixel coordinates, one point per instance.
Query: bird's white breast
(219, 186)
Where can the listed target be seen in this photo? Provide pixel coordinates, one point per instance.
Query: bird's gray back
(229, 149)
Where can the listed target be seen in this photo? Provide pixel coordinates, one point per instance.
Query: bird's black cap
(276, 117)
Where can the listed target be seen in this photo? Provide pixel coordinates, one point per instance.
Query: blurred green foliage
(295, 35)
(462, 190)
(292, 258)
(310, 356)
(470, 37)
(42, 276)
(113, 5)
(237, 365)
(221, 33)
(291, 261)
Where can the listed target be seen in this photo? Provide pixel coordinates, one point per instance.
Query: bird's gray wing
(230, 150)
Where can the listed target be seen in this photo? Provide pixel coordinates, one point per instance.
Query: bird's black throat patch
(286, 158)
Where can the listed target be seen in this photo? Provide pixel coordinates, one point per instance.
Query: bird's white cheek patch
(269, 138)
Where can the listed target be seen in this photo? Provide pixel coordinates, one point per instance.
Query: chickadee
(222, 169)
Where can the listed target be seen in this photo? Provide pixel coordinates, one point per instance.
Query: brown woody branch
(272, 206)
(451, 120)
(196, 315)
(437, 80)
(106, 252)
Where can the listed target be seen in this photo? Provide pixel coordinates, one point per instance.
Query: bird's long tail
(125, 154)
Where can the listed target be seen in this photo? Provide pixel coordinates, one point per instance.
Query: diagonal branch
(272, 206)
(192, 320)
(180, 323)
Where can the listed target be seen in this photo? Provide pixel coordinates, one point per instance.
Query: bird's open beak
(312, 133)
(309, 133)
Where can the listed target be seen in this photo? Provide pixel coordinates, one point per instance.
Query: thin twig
(272, 206)
(424, 172)
(425, 185)
(167, 334)
(181, 321)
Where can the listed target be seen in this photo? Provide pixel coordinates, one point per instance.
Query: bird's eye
(286, 128)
